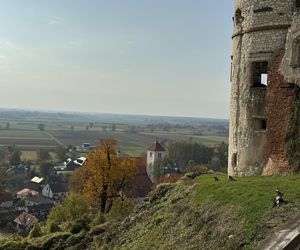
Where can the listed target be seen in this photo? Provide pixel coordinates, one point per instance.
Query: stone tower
(155, 152)
(264, 133)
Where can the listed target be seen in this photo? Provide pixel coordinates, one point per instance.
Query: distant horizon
(106, 113)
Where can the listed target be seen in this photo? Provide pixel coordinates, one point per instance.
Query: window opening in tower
(260, 74)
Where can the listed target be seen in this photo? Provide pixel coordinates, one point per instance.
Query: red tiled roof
(156, 147)
(25, 219)
(139, 185)
(27, 192)
(142, 165)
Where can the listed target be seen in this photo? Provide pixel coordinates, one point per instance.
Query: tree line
(181, 153)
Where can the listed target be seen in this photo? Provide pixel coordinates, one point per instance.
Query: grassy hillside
(192, 214)
(204, 214)
(251, 196)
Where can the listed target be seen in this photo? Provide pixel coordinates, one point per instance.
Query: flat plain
(133, 133)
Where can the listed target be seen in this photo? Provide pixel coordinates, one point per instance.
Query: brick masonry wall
(280, 105)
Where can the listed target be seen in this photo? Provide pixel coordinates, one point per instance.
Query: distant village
(36, 196)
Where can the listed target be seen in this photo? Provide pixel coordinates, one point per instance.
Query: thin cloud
(4, 43)
(55, 21)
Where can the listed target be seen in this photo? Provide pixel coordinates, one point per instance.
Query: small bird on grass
(230, 178)
(278, 201)
(216, 178)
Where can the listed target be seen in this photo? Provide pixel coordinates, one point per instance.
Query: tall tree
(41, 127)
(183, 152)
(43, 155)
(2, 183)
(45, 170)
(2, 155)
(73, 154)
(12, 155)
(61, 153)
(2, 180)
(104, 127)
(220, 160)
(7, 126)
(222, 154)
(104, 175)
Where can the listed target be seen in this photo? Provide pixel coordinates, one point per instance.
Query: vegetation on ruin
(292, 143)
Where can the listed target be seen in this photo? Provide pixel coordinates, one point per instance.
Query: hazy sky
(158, 57)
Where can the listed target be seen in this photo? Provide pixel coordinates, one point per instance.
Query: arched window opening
(238, 16)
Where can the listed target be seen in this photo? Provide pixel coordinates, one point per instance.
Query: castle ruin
(264, 133)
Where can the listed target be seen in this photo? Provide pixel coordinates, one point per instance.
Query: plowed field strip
(26, 138)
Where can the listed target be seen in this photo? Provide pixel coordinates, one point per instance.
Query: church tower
(264, 135)
(155, 152)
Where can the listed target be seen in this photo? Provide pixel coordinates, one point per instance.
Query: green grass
(28, 155)
(251, 196)
(204, 214)
(134, 151)
(184, 135)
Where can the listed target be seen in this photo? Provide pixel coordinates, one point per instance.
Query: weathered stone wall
(258, 13)
(261, 28)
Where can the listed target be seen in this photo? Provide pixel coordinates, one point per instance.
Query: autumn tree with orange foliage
(103, 176)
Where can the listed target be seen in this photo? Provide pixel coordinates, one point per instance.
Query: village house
(25, 221)
(37, 200)
(39, 185)
(38, 192)
(80, 161)
(26, 192)
(70, 165)
(60, 190)
(37, 205)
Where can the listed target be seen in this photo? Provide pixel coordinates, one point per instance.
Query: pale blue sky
(153, 57)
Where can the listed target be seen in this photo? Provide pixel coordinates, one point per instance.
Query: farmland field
(26, 140)
(130, 143)
(134, 133)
